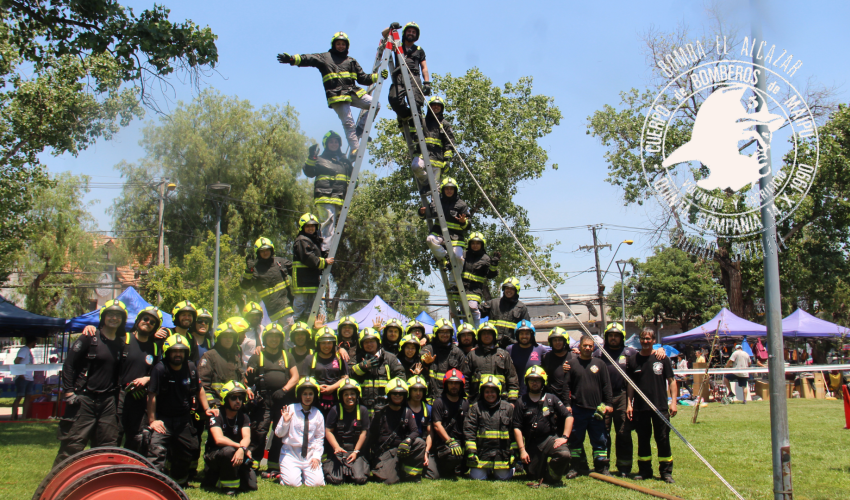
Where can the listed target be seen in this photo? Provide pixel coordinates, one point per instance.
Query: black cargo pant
(442, 464)
(623, 433)
(547, 462)
(648, 423)
(93, 418)
(398, 97)
(336, 470)
(179, 443)
(390, 468)
(221, 473)
(132, 418)
(264, 419)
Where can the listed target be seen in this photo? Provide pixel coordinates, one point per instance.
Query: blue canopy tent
(17, 322)
(425, 319)
(731, 327)
(134, 303)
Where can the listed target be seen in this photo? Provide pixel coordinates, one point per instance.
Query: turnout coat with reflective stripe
(487, 431)
(505, 314)
(440, 149)
(340, 74)
(270, 278)
(452, 208)
(492, 361)
(373, 381)
(332, 172)
(308, 264)
(477, 269)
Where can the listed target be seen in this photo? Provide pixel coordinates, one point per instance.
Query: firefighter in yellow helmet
(332, 171)
(398, 450)
(227, 459)
(90, 376)
(442, 354)
(176, 399)
(490, 445)
(414, 56)
(223, 362)
(340, 74)
(457, 220)
(478, 268)
(308, 262)
(439, 140)
(251, 340)
(346, 430)
(270, 277)
(506, 311)
(372, 367)
(490, 359)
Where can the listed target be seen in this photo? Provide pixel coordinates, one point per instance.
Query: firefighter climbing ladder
(458, 305)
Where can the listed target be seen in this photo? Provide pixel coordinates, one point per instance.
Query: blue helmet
(526, 325)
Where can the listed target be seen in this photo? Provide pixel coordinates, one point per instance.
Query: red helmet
(453, 375)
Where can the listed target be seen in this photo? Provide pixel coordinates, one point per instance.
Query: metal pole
(217, 247)
(160, 254)
(779, 439)
(601, 288)
(623, 296)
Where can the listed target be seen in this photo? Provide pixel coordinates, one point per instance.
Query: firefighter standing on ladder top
(332, 171)
(340, 73)
(438, 140)
(414, 57)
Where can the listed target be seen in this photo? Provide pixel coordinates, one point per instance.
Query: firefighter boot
(665, 469)
(644, 470)
(600, 466)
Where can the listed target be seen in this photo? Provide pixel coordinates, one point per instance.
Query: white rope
(583, 327)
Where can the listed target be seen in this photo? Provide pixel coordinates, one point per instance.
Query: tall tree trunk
(730, 277)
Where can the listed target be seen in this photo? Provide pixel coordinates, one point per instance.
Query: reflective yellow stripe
(493, 434)
(645, 459)
(360, 93)
(284, 312)
(504, 324)
(297, 59)
(665, 459)
(333, 76)
(280, 286)
(328, 200)
(513, 394)
(435, 142)
(228, 484)
(311, 162)
(455, 226)
(412, 471)
(377, 383)
(337, 177)
(338, 99)
(492, 464)
(474, 277)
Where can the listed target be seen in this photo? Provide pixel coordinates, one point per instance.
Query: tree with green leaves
(62, 255)
(496, 131)
(64, 66)
(217, 139)
(194, 280)
(671, 285)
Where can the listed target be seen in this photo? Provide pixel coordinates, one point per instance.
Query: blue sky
(582, 54)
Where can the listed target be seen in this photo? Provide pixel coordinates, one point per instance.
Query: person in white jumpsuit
(302, 428)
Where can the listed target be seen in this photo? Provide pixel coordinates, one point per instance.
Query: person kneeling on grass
(227, 461)
(302, 428)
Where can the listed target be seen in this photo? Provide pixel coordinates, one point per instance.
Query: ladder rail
(349, 193)
(435, 191)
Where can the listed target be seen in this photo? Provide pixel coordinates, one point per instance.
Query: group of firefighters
(310, 405)
(323, 406)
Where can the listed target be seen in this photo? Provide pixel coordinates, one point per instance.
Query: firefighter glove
(404, 448)
(494, 260)
(384, 73)
(395, 26)
(313, 152)
(426, 88)
(285, 58)
(454, 447)
(599, 414)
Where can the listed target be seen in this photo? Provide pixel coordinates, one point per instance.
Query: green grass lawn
(735, 439)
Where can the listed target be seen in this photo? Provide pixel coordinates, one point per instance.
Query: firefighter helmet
(394, 322)
(349, 384)
(536, 371)
(558, 333)
(525, 325)
(367, 334)
(348, 320)
(252, 308)
(448, 182)
(324, 334)
(396, 385)
(417, 382)
(453, 375)
(233, 388)
(175, 341)
(263, 243)
(330, 135)
(487, 326)
(409, 339)
(233, 325)
(306, 383)
(413, 324)
(204, 313)
(615, 327)
(437, 100)
(512, 282)
(443, 324)
(152, 311)
(489, 381)
(467, 328)
(476, 236)
(339, 35)
(306, 220)
(184, 306)
(413, 25)
(114, 305)
(300, 327)
(272, 329)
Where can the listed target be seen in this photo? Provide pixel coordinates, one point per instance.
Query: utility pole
(600, 287)
(780, 441)
(161, 252)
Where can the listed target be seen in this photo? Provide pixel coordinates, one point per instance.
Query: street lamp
(220, 190)
(627, 242)
(621, 265)
(599, 279)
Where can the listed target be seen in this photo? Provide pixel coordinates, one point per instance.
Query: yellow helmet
(615, 327)
(184, 306)
(234, 325)
(559, 333)
(409, 339)
(263, 244)
(349, 384)
(271, 329)
(306, 383)
(114, 305)
(487, 326)
(339, 35)
(252, 308)
(307, 219)
(152, 311)
(300, 327)
(512, 282)
(175, 341)
(476, 236)
(417, 382)
(414, 324)
(413, 25)
(396, 385)
(448, 182)
(536, 371)
(443, 324)
(325, 334)
(489, 381)
(233, 387)
(369, 333)
(204, 313)
(467, 328)
(348, 320)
